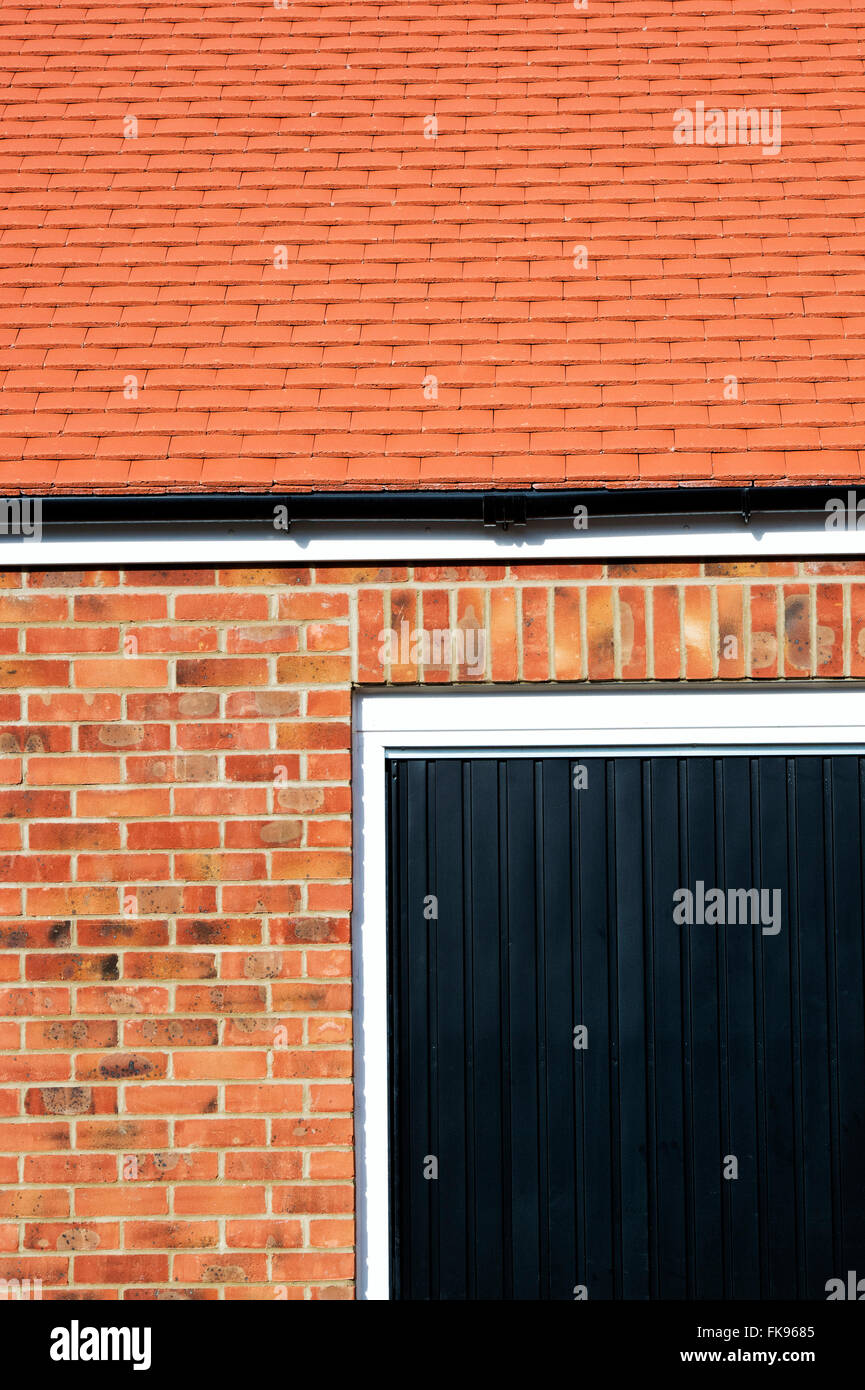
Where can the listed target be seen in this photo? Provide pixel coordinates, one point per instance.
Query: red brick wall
(175, 1025)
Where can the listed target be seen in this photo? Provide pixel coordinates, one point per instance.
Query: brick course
(175, 841)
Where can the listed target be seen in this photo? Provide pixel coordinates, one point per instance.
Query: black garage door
(602, 1087)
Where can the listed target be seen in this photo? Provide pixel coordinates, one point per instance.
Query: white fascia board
(632, 713)
(423, 542)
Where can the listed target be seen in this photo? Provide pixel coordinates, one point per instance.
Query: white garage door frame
(526, 722)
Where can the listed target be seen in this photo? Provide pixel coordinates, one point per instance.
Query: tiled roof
(342, 246)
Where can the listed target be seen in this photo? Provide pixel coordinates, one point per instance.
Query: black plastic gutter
(491, 508)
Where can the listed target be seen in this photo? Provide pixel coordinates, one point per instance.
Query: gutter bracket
(504, 512)
(745, 504)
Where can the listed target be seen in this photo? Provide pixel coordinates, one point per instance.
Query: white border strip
(532, 722)
(635, 538)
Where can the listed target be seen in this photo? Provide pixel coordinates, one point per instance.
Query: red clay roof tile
(364, 243)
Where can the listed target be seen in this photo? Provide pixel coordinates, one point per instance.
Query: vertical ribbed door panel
(523, 908)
